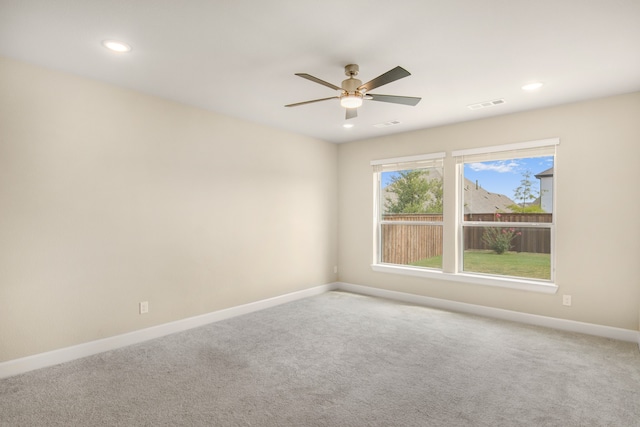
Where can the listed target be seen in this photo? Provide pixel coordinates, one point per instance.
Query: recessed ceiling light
(116, 46)
(347, 125)
(532, 86)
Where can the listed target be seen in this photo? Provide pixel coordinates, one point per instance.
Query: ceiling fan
(353, 92)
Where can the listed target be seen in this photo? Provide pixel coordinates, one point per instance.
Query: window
(501, 232)
(506, 223)
(409, 193)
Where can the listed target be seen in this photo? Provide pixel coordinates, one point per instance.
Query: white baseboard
(515, 316)
(67, 354)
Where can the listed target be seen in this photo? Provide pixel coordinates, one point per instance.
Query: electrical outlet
(566, 300)
(144, 307)
(335, 269)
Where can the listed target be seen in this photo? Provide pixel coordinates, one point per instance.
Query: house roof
(546, 173)
(479, 200)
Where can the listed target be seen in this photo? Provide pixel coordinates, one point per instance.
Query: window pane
(407, 244)
(407, 196)
(411, 191)
(508, 251)
(517, 190)
(523, 185)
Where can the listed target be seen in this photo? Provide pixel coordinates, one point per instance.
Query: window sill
(476, 279)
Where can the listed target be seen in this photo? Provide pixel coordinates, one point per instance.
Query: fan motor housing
(351, 85)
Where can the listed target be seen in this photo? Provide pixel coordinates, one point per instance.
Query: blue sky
(500, 176)
(504, 176)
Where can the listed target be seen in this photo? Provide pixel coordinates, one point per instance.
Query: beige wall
(109, 197)
(598, 233)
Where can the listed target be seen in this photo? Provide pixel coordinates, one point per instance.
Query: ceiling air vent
(387, 124)
(486, 104)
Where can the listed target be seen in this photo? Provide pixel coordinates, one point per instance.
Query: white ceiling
(238, 57)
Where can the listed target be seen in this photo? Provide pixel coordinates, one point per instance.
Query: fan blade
(310, 102)
(388, 77)
(352, 113)
(406, 100)
(317, 80)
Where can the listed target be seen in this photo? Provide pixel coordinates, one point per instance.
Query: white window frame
(527, 149)
(392, 164)
(455, 233)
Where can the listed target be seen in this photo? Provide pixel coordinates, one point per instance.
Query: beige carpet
(341, 359)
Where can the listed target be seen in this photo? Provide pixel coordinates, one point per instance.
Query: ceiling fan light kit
(352, 93)
(351, 100)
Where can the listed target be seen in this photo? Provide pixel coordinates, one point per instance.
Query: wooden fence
(533, 240)
(408, 243)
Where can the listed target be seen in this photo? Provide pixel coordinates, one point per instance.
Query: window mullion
(412, 222)
(507, 224)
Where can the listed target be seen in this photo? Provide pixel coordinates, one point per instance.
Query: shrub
(499, 239)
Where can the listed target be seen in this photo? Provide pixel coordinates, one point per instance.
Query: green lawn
(518, 264)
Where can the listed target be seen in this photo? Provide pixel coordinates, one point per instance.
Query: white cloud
(500, 167)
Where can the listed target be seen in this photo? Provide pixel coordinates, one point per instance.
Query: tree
(525, 192)
(414, 192)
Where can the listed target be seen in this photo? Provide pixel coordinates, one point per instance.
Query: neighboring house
(546, 190)
(478, 200)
